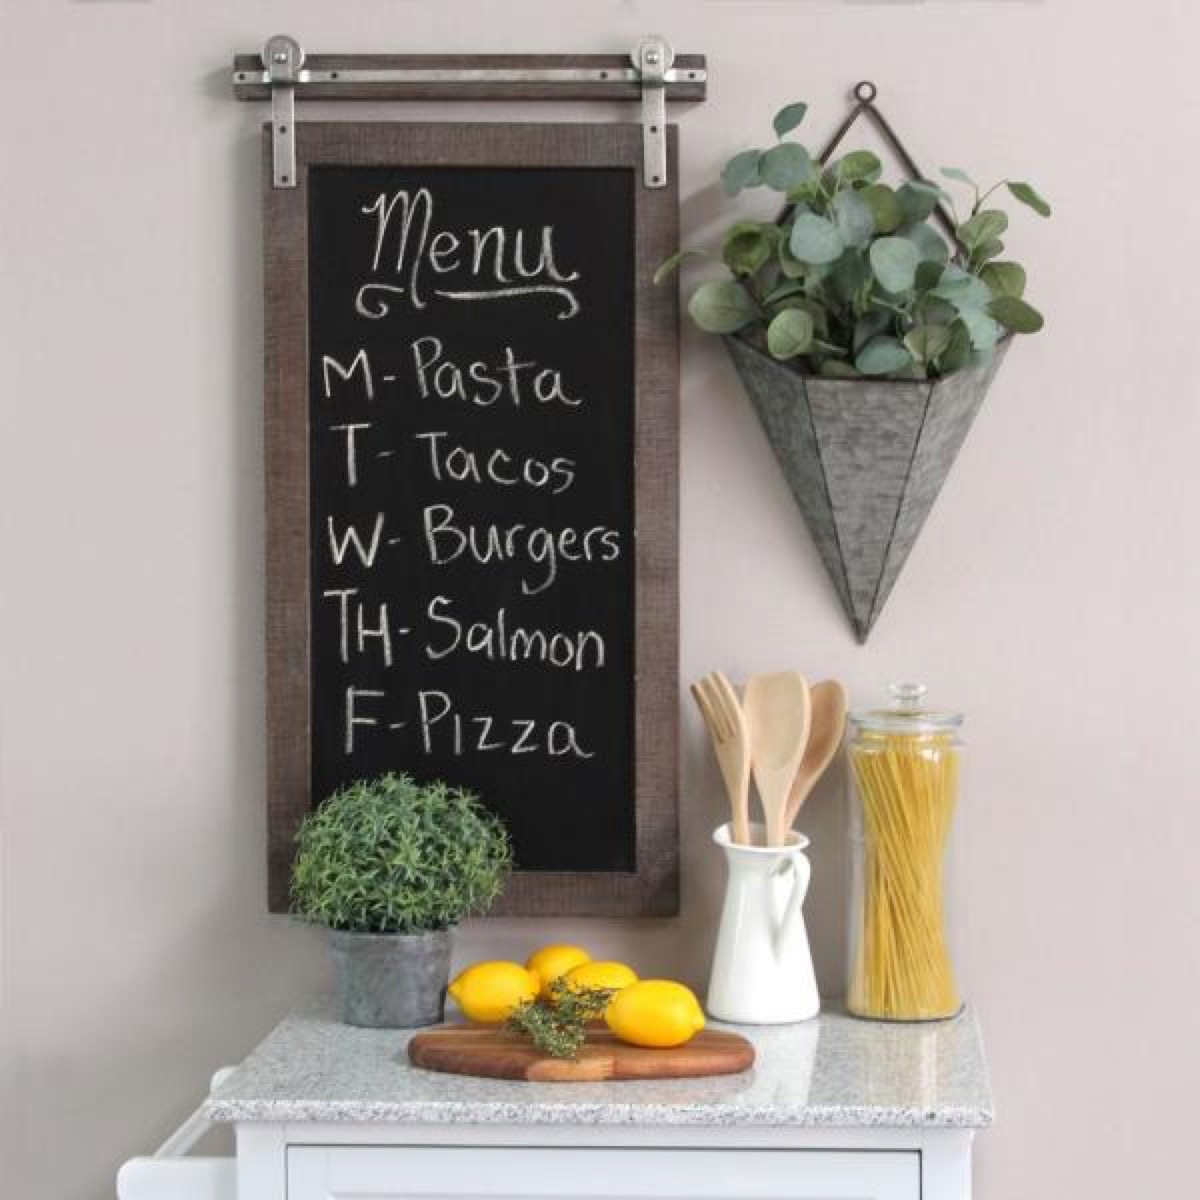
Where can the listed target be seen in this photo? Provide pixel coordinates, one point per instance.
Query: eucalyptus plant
(390, 855)
(852, 278)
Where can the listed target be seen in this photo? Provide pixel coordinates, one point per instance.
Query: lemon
(601, 975)
(552, 962)
(489, 991)
(655, 1012)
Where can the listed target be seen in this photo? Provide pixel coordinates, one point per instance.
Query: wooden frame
(653, 888)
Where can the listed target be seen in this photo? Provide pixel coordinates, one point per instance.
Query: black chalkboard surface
(472, 471)
(471, 428)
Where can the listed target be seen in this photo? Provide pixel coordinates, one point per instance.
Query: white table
(834, 1109)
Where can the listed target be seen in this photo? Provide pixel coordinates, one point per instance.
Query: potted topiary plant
(390, 866)
(865, 339)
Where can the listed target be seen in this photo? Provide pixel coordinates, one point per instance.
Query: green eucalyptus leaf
(985, 251)
(722, 306)
(836, 368)
(962, 289)
(789, 264)
(931, 310)
(749, 246)
(858, 165)
(928, 276)
(815, 239)
(958, 353)
(952, 281)
(1004, 278)
(806, 194)
(959, 176)
(790, 333)
(870, 325)
(892, 300)
(983, 227)
(1014, 313)
(785, 167)
(854, 218)
(1027, 194)
(894, 261)
(984, 330)
(784, 291)
(814, 308)
(788, 117)
(851, 278)
(917, 199)
(927, 343)
(670, 265)
(815, 276)
(741, 171)
(883, 356)
(931, 246)
(885, 207)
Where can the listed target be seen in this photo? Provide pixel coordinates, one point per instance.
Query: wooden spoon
(718, 704)
(825, 736)
(778, 711)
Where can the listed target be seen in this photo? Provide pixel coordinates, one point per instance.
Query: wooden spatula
(825, 735)
(778, 711)
(722, 713)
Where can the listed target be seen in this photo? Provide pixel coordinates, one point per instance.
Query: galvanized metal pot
(865, 459)
(391, 980)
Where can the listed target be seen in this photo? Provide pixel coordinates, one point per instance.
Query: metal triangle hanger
(865, 93)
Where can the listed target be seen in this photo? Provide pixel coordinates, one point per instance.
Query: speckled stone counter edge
(832, 1072)
(546, 1112)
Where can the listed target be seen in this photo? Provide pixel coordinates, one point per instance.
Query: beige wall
(1054, 594)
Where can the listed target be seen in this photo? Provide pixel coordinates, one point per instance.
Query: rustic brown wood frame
(653, 889)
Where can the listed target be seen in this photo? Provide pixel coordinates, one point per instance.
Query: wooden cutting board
(500, 1054)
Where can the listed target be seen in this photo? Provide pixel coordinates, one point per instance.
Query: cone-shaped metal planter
(865, 460)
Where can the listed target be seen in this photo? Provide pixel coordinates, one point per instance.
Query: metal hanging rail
(652, 75)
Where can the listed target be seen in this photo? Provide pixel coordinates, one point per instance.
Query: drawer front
(533, 1173)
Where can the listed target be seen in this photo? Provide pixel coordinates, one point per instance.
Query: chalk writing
(500, 263)
(471, 494)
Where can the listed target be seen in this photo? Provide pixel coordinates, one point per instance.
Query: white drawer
(554, 1173)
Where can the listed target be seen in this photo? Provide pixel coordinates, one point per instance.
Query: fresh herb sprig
(558, 1025)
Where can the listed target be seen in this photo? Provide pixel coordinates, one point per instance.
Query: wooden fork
(722, 713)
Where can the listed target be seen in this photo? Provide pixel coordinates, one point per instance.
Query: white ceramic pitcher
(762, 972)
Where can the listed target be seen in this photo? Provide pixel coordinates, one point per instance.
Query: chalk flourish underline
(369, 304)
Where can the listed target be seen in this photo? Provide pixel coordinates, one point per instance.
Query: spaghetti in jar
(904, 775)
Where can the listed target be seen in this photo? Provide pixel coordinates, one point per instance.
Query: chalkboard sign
(471, 459)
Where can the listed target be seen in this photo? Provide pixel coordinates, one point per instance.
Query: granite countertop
(832, 1071)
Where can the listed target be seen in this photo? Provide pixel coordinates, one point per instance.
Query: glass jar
(903, 777)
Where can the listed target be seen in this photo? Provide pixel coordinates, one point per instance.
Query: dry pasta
(900, 968)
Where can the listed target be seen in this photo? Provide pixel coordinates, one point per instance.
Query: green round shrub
(390, 855)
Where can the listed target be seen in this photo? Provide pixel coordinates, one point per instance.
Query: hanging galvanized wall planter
(865, 460)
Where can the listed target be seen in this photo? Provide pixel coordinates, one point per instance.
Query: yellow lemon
(489, 991)
(655, 1012)
(601, 975)
(552, 962)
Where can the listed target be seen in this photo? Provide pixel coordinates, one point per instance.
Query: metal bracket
(282, 58)
(648, 74)
(653, 57)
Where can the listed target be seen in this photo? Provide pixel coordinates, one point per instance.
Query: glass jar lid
(906, 713)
